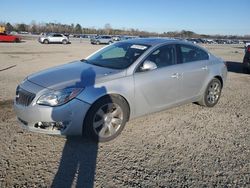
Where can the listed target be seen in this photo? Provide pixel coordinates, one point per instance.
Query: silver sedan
(96, 96)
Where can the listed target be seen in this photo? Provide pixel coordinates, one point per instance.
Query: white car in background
(103, 39)
(54, 38)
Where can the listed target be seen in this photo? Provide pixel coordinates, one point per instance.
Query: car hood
(76, 74)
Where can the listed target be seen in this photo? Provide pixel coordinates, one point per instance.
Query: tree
(78, 29)
(33, 27)
(22, 27)
(107, 28)
(9, 27)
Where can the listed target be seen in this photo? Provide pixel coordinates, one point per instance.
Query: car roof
(158, 41)
(151, 41)
(55, 34)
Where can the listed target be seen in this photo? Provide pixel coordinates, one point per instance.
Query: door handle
(204, 68)
(175, 75)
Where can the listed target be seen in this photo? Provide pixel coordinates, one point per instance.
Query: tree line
(38, 28)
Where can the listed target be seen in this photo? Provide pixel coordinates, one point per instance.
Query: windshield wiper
(82, 60)
(96, 64)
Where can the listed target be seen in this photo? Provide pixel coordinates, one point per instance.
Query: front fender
(126, 90)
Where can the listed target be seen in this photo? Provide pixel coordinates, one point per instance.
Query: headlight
(57, 98)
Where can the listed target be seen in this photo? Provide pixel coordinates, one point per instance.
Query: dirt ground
(187, 146)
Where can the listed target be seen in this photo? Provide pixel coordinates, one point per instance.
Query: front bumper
(71, 115)
(93, 41)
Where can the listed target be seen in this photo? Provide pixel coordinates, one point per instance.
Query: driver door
(159, 88)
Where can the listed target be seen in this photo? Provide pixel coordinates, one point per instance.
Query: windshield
(118, 56)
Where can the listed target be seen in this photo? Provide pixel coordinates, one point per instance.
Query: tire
(64, 42)
(212, 94)
(245, 69)
(46, 41)
(17, 40)
(106, 119)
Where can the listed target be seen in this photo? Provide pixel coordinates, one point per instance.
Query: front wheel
(106, 118)
(212, 93)
(46, 41)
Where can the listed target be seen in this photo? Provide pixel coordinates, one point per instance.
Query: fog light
(51, 125)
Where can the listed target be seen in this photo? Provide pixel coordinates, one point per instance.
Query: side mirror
(148, 65)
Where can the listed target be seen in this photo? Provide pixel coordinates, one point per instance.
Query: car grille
(24, 97)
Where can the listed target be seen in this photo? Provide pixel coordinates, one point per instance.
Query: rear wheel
(106, 119)
(245, 68)
(64, 42)
(46, 41)
(212, 93)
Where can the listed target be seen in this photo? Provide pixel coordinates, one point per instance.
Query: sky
(229, 17)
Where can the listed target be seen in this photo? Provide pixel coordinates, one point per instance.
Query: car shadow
(236, 67)
(78, 161)
(78, 164)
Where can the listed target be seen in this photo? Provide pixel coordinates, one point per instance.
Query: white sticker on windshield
(139, 47)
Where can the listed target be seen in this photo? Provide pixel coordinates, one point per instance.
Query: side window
(57, 35)
(191, 53)
(163, 56)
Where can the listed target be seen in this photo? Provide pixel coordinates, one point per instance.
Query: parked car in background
(97, 96)
(103, 39)
(246, 60)
(195, 41)
(116, 38)
(128, 37)
(54, 38)
(9, 38)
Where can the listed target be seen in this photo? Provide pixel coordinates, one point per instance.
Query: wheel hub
(108, 118)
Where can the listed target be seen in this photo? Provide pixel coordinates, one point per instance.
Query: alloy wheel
(213, 92)
(108, 120)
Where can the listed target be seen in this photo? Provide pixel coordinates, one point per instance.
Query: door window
(163, 56)
(57, 35)
(191, 53)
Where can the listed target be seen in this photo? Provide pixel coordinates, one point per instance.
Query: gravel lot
(188, 146)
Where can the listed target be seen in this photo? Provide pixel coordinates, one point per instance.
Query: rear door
(195, 69)
(106, 39)
(58, 37)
